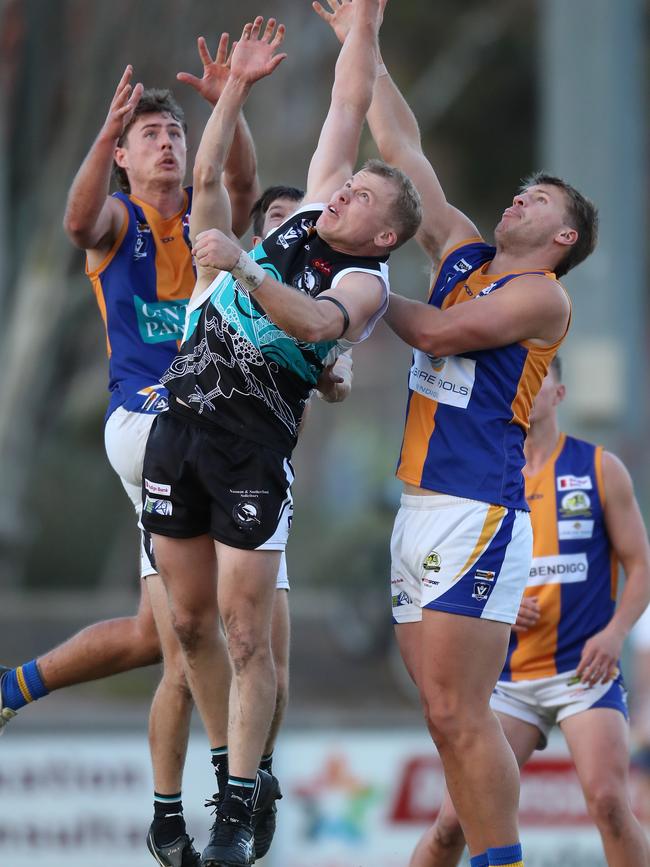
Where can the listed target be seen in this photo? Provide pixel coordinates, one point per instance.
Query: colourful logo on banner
(335, 802)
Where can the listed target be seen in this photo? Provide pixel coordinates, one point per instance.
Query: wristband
(248, 273)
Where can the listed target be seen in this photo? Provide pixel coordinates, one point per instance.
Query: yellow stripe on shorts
(493, 518)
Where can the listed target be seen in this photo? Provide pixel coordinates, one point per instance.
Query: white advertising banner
(351, 799)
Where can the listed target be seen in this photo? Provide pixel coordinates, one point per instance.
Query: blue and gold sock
(22, 685)
(506, 856)
(479, 860)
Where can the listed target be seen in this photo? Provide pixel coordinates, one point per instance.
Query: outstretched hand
(339, 15)
(254, 56)
(215, 72)
(123, 104)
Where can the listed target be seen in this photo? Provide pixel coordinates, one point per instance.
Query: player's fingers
(135, 96)
(126, 77)
(268, 30)
(188, 78)
(222, 49)
(246, 32)
(257, 26)
(276, 61)
(279, 36)
(321, 11)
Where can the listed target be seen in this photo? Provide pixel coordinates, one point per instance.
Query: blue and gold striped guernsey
(142, 288)
(467, 415)
(574, 572)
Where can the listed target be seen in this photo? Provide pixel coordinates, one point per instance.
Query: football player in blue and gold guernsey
(563, 660)
(462, 541)
(140, 265)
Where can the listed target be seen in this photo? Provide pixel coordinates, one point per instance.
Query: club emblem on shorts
(401, 599)
(481, 590)
(158, 507)
(432, 562)
(246, 514)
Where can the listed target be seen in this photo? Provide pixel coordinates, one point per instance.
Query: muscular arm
(338, 146)
(240, 171)
(92, 218)
(254, 58)
(629, 541)
(240, 177)
(397, 135)
(526, 308)
(300, 315)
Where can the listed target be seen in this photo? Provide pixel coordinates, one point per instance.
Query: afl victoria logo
(246, 514)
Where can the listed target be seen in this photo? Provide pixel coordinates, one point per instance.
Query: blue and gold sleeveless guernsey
(467, 415)
(142, 289)
(238, 370)
(574, 572)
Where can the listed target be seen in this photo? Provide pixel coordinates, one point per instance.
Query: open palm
(255, 55)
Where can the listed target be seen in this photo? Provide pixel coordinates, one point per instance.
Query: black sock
(220, 763)
(266, 763)
(238, 799)
(168, 820)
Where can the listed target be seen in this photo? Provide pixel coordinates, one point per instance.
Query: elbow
(312, 333)
(76, 231)
(205, 176)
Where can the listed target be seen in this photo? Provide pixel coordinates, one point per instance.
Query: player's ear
(386, 239)
(120, 157)
(567, 236)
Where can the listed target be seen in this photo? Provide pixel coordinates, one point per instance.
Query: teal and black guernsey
(237, 369)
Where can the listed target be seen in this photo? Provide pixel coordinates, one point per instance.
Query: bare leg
(442, 845)
(171, 708)
(598, 741)
(280, 637)
(456, 667)
(105, 648)
(246, 591)
(188, 568)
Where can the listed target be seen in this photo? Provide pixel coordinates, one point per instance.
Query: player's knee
(451, 719)
(191, 629)
(608, 807)
(447, 832)
(246, 645)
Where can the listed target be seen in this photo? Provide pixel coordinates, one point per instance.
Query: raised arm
(253, 58)
(629, 541)
(240, 171)
(92, 218)
(338, 147)
(397, 135)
